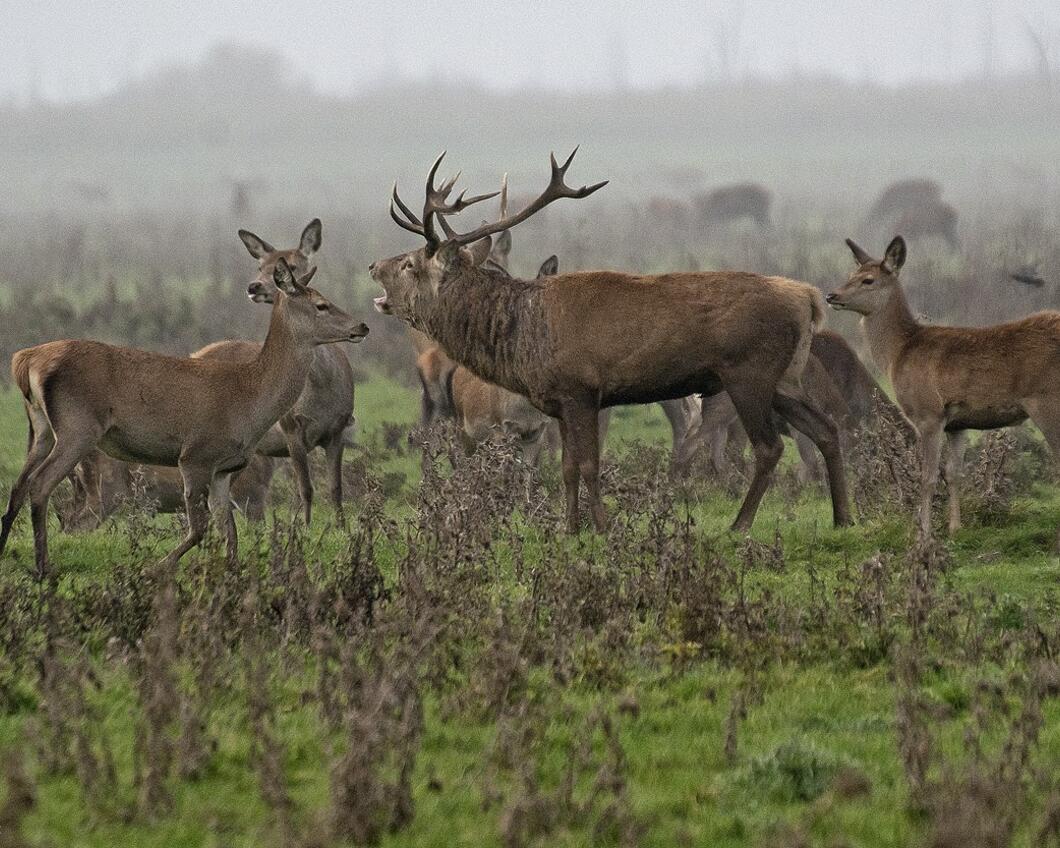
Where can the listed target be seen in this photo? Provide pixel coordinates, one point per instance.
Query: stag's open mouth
(381, 304)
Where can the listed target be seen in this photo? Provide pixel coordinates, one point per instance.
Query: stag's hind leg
(802, 414)
(754, 408)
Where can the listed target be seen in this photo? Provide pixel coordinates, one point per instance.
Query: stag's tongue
(381, 305)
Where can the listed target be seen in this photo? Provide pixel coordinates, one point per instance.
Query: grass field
(455, 670)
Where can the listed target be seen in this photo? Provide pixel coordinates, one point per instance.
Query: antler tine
(556, 189)
(395, 198)
(435, 204)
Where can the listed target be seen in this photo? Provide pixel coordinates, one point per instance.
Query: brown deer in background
(915, 207)
(576, 343)
(203, 416)
(102, 484)
(733, 202)
(949, 380)
(904, 194)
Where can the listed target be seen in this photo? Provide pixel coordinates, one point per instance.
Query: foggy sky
(71, 49)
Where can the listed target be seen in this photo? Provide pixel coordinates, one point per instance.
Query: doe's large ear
(310, 241)
(549, 268)
(256, 247)
(894, 258)
(480, 251)
(284, 279)
(860, 255)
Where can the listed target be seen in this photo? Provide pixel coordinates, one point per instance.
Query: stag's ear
(284, 279)
(491, 265)
(502, 247)
(310, 241)
(549, 268)
(480, 250)
(894, 258)
(860, 255)
(448, 256)
(256, 247)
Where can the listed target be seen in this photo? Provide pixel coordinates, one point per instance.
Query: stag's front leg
(583, 431)
(570, 476)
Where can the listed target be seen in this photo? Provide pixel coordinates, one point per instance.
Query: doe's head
(298, 259)
(871, 285)
(308, 314)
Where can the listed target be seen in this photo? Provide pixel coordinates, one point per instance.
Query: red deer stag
(478, 407)
(948, 380)
(204, 416)
(576, 343)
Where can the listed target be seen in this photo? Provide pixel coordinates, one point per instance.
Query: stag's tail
(20, 364)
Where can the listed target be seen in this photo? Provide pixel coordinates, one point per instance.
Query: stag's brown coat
(576, 343)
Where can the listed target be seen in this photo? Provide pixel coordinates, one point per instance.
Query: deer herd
(730, 356)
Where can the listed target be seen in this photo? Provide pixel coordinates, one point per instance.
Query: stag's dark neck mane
(492, 324)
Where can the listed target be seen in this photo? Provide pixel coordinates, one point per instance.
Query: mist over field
(431, 650)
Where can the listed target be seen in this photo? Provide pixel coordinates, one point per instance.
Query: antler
(556, 189)
(436, 205)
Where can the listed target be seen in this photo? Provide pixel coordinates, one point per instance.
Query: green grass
(815, 717)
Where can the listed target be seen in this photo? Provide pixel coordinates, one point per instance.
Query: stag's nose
(371, 268)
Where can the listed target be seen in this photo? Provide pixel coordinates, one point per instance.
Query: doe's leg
(930, 437)
(196, 492)
(957, 442)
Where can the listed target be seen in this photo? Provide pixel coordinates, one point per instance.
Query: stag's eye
(323, 307)
(406, 265)
(868, 281)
